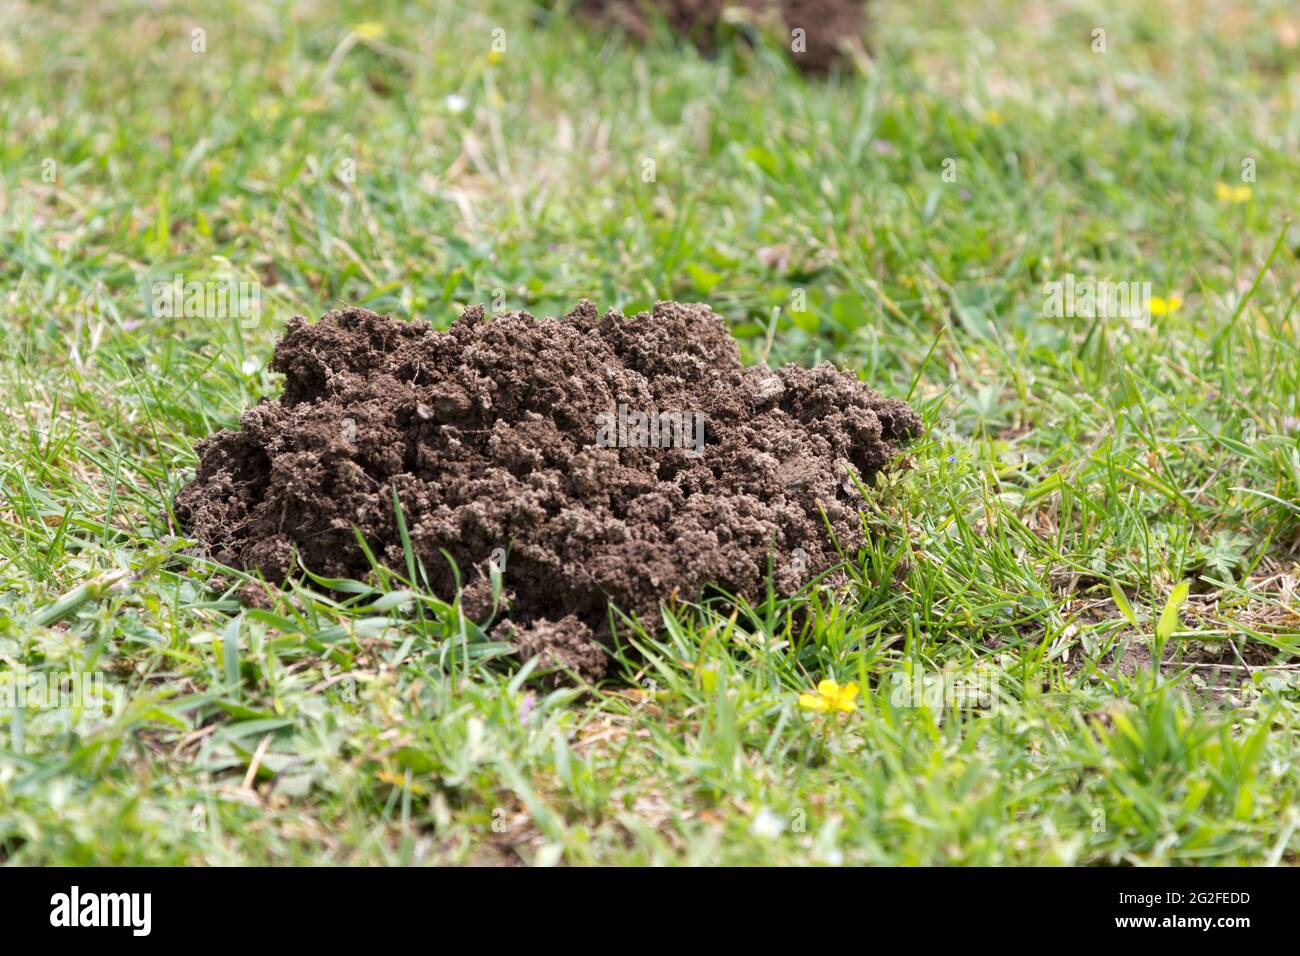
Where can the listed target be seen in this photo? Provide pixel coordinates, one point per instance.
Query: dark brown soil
(830, 26)
(489, 434)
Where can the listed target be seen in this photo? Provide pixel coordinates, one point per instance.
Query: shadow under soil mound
(523, 437)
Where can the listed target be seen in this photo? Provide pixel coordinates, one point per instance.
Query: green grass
(1076, 470)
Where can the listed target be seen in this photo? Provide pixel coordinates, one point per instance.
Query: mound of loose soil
(521, 434)
(828, 25)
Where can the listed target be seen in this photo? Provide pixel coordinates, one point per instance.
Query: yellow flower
(831, 696)
(370, 30)
(399, 780)
(1163, 306)
(1234, 194)
(993, 118)
(495, 56)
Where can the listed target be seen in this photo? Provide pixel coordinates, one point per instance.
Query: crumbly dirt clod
(490, 435)
(831, 27)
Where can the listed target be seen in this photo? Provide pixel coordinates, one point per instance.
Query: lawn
(1098, 534)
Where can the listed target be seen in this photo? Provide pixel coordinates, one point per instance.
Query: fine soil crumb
(516, 441)
(830, 27)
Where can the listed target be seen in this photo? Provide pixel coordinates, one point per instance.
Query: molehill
(828, 26)
(563, 449)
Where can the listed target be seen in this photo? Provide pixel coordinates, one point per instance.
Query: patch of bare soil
(1219, 664)
(829, 27)
(528, 442)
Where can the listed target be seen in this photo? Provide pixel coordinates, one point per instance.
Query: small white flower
(767, 824)
(456, 103)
